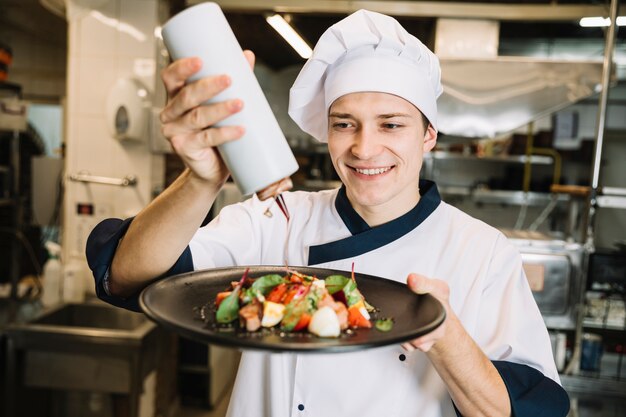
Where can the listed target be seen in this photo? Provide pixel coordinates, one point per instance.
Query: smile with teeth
(372, 171)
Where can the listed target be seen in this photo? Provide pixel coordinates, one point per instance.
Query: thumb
(419, 284)
(250, 57)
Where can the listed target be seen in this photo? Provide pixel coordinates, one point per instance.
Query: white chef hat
(366, 51)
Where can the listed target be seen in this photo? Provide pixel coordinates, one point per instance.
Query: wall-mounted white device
(127, 110)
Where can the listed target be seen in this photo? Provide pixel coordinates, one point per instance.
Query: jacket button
(402, 357)
(301, 407)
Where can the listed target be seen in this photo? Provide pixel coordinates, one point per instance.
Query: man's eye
(341, 125)
(391, 126)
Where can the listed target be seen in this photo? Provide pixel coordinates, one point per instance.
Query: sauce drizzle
(283, 207)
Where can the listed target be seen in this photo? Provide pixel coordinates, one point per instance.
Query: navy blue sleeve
(532, 393)
(101, 246)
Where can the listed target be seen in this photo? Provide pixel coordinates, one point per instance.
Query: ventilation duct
(486, 95)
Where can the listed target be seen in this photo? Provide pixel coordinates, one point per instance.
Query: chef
(370, 92)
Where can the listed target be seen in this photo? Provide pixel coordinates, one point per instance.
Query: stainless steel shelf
(520, 159)
(591, 385)
(503, 196)
(612, 201)
(594, 325)
(614, 191)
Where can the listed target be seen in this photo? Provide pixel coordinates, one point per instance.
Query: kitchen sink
(89, 347)
(91, 316)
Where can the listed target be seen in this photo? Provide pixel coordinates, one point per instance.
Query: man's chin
(371, 200)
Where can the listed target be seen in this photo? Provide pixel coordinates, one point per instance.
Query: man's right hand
(189, 126)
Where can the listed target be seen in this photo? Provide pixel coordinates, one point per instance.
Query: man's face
(376, 142)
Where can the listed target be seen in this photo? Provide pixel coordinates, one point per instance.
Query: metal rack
(489, 196)
(520, 159)
(12, 198)
(608, 393)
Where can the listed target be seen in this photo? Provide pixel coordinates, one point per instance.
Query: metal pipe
(529, 150)
(16, 248)
(574, 365)
(129, 180)
(556, 160)
(604, 94)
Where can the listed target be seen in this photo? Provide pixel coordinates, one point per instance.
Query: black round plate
(176, 302)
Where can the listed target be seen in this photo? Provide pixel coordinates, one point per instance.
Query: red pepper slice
(292, 292)
(277, 293)
(356, 319)
(303, 323)
(295, 279)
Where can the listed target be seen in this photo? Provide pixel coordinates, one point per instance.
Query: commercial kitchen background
(516, 150)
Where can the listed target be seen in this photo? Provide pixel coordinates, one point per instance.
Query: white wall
(98, 54)
(108, 39)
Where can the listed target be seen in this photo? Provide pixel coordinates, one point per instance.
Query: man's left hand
(439, 289)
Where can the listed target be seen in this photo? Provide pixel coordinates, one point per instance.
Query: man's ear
(430, 138)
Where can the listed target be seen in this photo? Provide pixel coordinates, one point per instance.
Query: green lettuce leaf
(266, 283)
(228, 310)
(336, 283)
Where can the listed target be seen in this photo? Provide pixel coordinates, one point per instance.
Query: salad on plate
(296, 302)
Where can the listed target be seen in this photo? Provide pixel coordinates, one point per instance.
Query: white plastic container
(52, 276)
(73, 283)
(262, 156)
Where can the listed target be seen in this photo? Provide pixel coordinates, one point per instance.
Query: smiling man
(370, 91)
(377, 154)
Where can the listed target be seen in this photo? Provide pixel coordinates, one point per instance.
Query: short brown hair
(425, 121)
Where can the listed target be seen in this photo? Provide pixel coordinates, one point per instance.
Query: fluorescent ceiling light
(285, 30)
(594, 22)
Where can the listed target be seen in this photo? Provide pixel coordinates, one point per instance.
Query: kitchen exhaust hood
(488, 97)
(485, 95)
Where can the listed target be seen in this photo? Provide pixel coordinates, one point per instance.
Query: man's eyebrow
(392, 115)
(340, 115)
(380, 116)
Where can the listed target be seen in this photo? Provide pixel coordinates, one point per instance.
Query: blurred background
(532, 141)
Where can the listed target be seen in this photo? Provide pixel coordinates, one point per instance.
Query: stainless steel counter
(89, 347)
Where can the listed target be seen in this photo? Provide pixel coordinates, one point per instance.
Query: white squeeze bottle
(52, 276)
(73, 283)
(261, 157)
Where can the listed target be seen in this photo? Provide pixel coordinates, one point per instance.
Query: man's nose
(366, 144)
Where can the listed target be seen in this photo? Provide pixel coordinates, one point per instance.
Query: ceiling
(254, 33)
(31, 20)
(29, 16)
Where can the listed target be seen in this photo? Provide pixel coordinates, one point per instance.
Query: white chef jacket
(488, 292)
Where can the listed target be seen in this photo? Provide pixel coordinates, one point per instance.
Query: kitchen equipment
(591, 352)
(13, 114)
(89, 347)
(607, 269)
(262, 155)
(554, 271)
(171, 303)
(127, 110)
